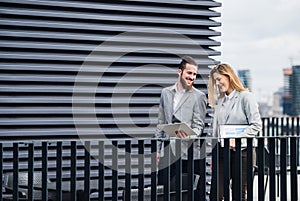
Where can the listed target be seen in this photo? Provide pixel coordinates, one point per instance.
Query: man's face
(188, 76)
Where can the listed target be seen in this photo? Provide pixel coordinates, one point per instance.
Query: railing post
(294, 184)
(87, 169)
(261, 169)
(178, 174)
(73, 171)
(202, 180)
(250, 175)
(153, 170)
(227, 168)
(272, 168)
(238, 169)
(127, 170)
(30, 171)
(16, 172)
(141, 169)
(101, 175)
(58, 171)
(190, 168)
(283, 169)
(114, 170)
(166, 166)
(44, 171)
(1, 171)
(215, 171)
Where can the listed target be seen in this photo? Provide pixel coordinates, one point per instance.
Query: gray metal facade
(115, 55)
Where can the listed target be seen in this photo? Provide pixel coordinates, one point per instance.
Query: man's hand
(181, 134)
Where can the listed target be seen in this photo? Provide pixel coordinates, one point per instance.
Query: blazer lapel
(185, 96)
(231, 105)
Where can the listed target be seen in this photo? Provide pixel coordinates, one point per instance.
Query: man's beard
(184, 84)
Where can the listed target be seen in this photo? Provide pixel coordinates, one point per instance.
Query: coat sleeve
(252, 113)
(199, 113)
(161, 120)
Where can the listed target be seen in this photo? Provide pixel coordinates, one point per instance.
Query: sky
(263, 36)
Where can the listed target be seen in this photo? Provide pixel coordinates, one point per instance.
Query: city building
(277, 106)
(245, 77)
(294, 88)
(287, 95)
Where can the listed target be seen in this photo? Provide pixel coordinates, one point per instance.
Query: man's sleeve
(199, 114)
(161, 120)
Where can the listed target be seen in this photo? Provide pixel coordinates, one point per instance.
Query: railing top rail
(136, 139)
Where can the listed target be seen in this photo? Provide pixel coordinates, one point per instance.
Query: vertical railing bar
(202, 179)
(283, 169)
(114, 170)
(263, 127)
(73, 170)
(294, 184)
(58, 171)
(30, 171)
(101, 177)
(215, 170)
(238, 155)
(277, 126)
(141, 175)
(298, 140)
(1, 171)
(87, 169)
(293, 126)
(227, 168)
(273, 126)
(250, 175)
(15, 171)
(282, 125)
(166, 173)
(190, 168)
(44, 171)
(261, 169)
(268, 125)
(272, 169)
(287, 126)
(178, 169)
(153, 170)
(128, 170)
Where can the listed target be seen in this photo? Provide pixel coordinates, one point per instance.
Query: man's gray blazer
(191, 110)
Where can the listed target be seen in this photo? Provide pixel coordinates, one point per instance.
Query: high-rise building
(277, 106)
(245, 77)
(294, 86)
(287, 95)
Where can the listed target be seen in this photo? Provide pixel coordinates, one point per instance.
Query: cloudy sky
(263, 36)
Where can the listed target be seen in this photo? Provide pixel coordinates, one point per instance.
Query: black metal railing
(126, 169)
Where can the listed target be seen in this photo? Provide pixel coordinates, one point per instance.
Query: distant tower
(287, 95)
(294, 88)
(245, 77)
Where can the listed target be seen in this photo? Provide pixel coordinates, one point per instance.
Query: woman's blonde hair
(235, 83)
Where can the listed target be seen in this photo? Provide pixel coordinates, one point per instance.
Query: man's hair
(185, 60)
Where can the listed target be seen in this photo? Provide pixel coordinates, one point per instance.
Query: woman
(234, 105)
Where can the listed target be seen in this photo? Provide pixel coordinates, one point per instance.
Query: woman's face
(223, 83)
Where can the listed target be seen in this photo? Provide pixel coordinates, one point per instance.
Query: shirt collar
(174, 87)
(231, 95)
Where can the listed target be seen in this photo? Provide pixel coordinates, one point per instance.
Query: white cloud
(260, 35)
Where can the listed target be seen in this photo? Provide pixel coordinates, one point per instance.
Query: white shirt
(177, 97)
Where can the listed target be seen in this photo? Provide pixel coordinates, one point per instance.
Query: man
(182, 103)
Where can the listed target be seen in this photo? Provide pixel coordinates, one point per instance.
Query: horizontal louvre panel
(59, 58)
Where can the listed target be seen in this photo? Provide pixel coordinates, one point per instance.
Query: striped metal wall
(88, 68)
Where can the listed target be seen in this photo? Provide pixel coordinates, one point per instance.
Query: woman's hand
(232, 143)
